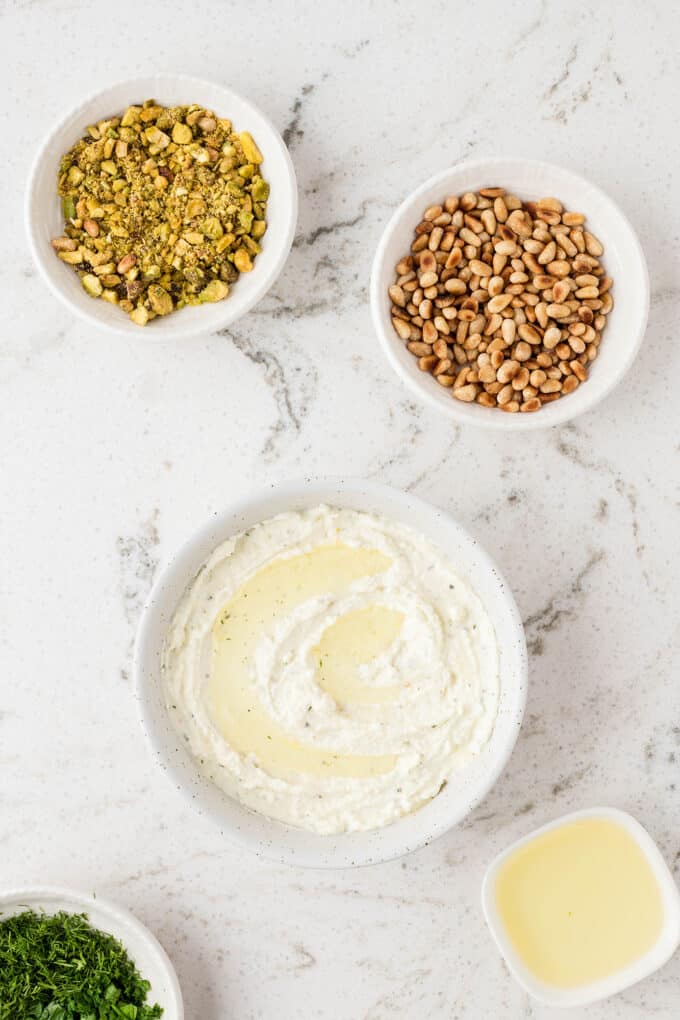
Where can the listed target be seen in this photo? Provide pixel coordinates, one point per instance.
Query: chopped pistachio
(71, 258)
(260, 190)
(131, 116)
(75, 175)
(242, 260)
(140, 316)
(92, 285)
(181, 133)
(215, 291)
(159, 299)
(250, 149)
(212, 228)
(176, 190)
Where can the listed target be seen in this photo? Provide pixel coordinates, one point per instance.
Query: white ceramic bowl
(44, 219)
(623, 259)
(274, 839)
(666, 944)
(143, 948)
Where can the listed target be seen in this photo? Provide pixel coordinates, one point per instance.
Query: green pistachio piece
(92, 285)
(250, 149)
(216, 290)
(259, 190)
(212, 228)
(246, 220)
(159, 299)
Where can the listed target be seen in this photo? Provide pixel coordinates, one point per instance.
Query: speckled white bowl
(270, 838)
(623, 259)
(143, 948)
(45, 221)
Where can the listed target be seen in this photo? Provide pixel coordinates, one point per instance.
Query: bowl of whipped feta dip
(334, 671)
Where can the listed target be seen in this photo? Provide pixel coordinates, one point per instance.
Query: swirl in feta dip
(329, 668)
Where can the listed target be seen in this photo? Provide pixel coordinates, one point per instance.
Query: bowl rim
(288, 190)
(36, 896)
(651, 961)
(496, 421)
(336, 854)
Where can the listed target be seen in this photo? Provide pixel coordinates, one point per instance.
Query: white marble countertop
(113, 451)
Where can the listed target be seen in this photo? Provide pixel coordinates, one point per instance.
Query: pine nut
(396, 294)
(573, 219)
(579, 370)
(593, 246)
(498, 303)
(523, 284)
(419, 348)
(429, 332)
(402, 329)
(529, 334)
(560, 291)
(551, 386)
(548, 254)
(466, 393)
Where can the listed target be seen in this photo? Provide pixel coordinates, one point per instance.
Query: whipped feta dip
(330, 669)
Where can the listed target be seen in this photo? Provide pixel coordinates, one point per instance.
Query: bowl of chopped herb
(166, 202)
(65, 955)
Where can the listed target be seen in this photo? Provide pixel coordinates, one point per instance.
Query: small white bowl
(623, 259)
(143, 948)
(273, 839)
(656, 957)
(44, 218)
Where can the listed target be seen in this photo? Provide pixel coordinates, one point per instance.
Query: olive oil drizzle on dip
(329, 668)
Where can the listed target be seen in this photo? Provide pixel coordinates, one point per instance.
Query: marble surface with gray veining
(113, 450)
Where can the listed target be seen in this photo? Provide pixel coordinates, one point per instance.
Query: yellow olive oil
(579, 902)
(355, 638)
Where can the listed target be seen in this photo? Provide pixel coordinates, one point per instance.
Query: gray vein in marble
(353, 893)
(351, 52)
(571, 780)
(306, 959)
(526, 34)
(391, 1004)
(662, 295)
(332, 228)
(563, 76)
(574, 451)
(137, 565)
(292, 132)
(290, 414)
(582, 94)
(562, 606)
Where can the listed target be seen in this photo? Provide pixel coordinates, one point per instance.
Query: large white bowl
(274, 839)
(143, 948)
(623, 259)
(44, 219)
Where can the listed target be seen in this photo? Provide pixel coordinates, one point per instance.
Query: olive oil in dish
(583, 908)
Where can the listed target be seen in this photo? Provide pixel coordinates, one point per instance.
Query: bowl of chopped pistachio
(69, 954)
(165, 202)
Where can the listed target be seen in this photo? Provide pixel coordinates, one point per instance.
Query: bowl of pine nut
(510, 285)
